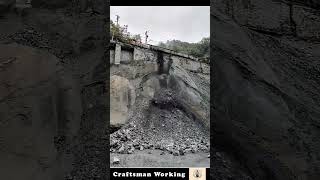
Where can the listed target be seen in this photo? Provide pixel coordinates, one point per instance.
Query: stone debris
(175, 153)
(116, 160)
(170, 130)
(181, 152)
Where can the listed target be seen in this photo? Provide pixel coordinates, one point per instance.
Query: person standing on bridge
(146, 33)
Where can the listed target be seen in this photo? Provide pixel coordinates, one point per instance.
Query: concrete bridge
(122, 53)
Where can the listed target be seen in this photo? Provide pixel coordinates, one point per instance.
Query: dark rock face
(39, 105)
(53, 93)
(50, 3)
(287, 18)
(5, 5)
(89, 6)
(266, 85)
(309, 3)
(68, 34)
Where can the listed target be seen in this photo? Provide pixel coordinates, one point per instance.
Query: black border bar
(160, 2)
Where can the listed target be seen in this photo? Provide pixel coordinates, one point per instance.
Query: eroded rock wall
(266, 85)
(53, 90)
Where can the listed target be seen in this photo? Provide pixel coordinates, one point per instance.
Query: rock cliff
(53, 76)
(266, 93)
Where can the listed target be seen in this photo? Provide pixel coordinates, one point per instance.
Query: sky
(185, 23)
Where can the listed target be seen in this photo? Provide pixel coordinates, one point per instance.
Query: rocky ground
(156, 158)
(162, 125)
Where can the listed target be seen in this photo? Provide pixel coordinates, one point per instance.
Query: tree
(121, 34)
(115, 31)
(200, 49)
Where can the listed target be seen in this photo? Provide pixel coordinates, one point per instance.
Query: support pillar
(117, 56)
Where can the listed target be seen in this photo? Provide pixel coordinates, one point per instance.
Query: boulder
(122, 97)
(116, 160)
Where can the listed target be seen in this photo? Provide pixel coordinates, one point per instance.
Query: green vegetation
(119, 33)
(200, 49)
